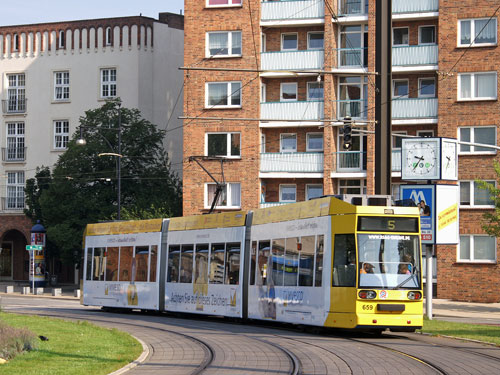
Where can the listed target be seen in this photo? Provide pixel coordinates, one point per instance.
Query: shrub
(14, 341)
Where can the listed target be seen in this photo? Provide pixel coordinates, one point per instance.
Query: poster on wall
(424, 198)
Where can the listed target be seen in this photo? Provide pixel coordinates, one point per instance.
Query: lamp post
(81, 141)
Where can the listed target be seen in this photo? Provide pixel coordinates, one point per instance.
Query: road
(194, 345)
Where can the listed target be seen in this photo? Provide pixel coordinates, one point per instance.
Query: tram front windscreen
(389, 261)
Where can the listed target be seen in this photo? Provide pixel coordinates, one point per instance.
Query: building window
(354, 160)
(288, 143)
(224, 44)
(426, 88)
(262, 143)
(400, 88)
(230, 196)
(15, 142)
(16, 93)
(477, 86)
(353, 94)
(314, 142)
(223, 94)
(223, 3)
(425, 133)
(352, 186)
(313, 191)
(16, 43)
(315, 40)
(61, 134)
(471, 195)
(479, 134)
(288, 91)
(15, 190)
(315, 91)
(288, 193)
(397, 139)
(477, 32)
(62, 39)
(61, 86)
(223, 144)
(477, 248)
(108, 83)
(109, 36)
(400, 36)
(289, 42)
(427, 35)
(353, 45)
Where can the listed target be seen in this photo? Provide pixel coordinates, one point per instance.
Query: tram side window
(291, 261)
(126, 263)
(201, 264)
(217, 263)
(89, 264)
(187, 264)
(99, 264)
(306, 262)
(278, 251)
(253, 262)
(233, 263)
(112, 264)
(320, 245)
(141, 263)
(344, 261)
(174, 253)
(262, 259)
(153, 254)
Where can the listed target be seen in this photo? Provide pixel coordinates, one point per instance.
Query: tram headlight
(414, 295)
(367, 294)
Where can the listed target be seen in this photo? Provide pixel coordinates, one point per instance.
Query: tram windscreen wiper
(413, 274)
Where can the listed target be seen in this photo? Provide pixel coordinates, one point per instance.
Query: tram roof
(123, 227)
(220, 220)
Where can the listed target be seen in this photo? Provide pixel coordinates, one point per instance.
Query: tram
(324, 262)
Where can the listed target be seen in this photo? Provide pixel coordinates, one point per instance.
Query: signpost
(32, 249)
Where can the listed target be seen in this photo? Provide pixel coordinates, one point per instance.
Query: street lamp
(82, 142)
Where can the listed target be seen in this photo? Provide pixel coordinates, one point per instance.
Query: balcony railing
(305, 110)
(414, 108)
(13, 203)
(14, 105)
(353, 7)
(292, 10)
(415, 55)
(352, 57)
(349, 161)
(414, 6)
(355, 108)
(14, 154)
(298, 162)
(293, 60)
(272, 204)
(396, 160)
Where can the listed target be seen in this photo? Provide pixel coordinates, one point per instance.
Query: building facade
(269, 83)
(50, 75)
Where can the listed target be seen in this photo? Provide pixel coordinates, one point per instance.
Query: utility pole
(383, 94)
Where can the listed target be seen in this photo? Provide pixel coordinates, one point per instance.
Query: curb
(138, 361)
(15, 294)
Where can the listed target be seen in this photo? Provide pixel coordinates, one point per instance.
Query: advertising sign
(424, 198)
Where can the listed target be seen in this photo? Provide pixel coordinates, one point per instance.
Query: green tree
(492, 219)
(82, 187)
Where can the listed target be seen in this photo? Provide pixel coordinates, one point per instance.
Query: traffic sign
(34, 247)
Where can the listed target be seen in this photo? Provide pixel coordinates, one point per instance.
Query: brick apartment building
(51, 74)
(275, 119)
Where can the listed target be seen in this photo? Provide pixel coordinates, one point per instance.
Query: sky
(40, 11)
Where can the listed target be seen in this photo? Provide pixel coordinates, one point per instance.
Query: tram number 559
(367, 307)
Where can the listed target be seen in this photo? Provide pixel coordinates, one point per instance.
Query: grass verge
(480, 332)
(73, 348)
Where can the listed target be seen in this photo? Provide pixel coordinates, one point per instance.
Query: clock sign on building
(429, 159)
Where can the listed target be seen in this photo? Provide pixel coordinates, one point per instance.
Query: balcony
(292, 162)
(13, 203)
(294, 111)
(353, 7)
(414, 108)
(414, 6)
(13, 154)
(14, 105)
(294, 60)
(292, 12)
(349, 161)
(355, 108)
(411, 56)
(272, 204)
(396, 160)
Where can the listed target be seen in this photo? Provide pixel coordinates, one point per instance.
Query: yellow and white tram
(324, 262)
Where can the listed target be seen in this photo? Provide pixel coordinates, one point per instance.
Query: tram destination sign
(388, 224)
(34, 247)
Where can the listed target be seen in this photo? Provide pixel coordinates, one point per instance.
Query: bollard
(26, 290)
(77, 293)
(56, 291)
(39, 291)
(9, 289)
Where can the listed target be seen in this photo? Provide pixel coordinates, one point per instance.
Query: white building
(51, 73)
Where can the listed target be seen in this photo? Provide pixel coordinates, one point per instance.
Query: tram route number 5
(391, 224)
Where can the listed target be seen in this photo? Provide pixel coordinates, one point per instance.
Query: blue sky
(39, 11)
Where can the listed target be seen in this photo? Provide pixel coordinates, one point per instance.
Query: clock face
(420, 159)
(449, 168)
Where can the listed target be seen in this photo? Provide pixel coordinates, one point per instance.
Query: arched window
(62, 39)
(109, 36)
(16, 42)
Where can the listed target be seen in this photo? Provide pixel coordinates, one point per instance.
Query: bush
(14, 341)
